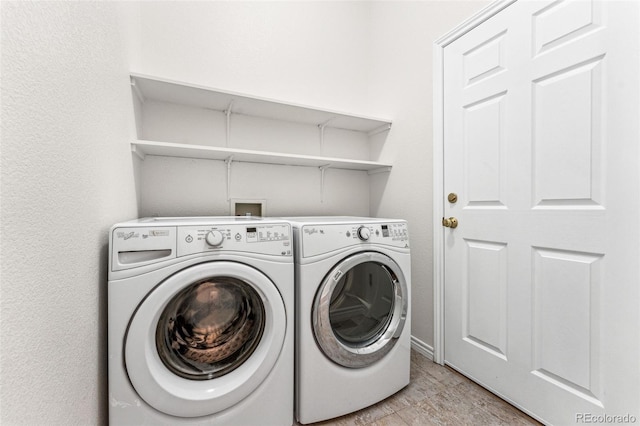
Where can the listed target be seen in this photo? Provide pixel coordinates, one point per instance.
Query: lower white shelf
(169, 149)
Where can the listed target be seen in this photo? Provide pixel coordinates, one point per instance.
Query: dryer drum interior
(362, 303)
(360, 309)
(210, 328)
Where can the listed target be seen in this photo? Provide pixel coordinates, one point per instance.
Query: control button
(364, 233)
(238, 237)
(348, 234)
(214, 238)
(189, 239)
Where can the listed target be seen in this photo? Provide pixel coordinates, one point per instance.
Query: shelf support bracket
(228, 162)
(322, 127)
(136, 89)
(380, 129)
(379, 170)
(322, 170)
(227, 113)
(138, 152)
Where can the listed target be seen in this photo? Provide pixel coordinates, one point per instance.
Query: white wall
(67, 171)
(66, 177)
(401, 82)
(312, 53)
(306, 52)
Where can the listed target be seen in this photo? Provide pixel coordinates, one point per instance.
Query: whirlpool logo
(311, 231)
(127, 235)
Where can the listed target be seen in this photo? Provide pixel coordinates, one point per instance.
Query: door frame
(438, 166)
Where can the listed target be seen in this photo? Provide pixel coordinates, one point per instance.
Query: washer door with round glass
(360, 309)
(205, 338)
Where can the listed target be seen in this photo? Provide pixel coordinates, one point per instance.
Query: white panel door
(541, 146)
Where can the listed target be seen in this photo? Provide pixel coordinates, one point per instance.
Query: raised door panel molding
(567, 143)
(566, 339)
(484, 151)
(485, 297)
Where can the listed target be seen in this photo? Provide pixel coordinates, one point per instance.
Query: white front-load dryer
(353, 334)
(201, 322)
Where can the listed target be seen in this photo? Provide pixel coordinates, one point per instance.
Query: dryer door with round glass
(205, 338)
(360, 309)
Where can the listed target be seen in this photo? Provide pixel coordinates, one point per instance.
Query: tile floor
(436, 395)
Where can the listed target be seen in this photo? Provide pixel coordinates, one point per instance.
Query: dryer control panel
(325, 238)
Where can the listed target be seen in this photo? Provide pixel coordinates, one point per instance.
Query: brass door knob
(451, 222)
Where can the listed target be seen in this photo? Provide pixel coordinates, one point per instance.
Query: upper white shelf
(169, 149)
(160, 89)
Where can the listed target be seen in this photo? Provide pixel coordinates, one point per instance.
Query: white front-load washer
(201, 322)
(353, 334)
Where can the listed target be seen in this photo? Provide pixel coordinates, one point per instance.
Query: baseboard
(421, 347)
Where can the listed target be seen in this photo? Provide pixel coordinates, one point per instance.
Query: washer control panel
(134, 246)
(324, 238)
(271, 239)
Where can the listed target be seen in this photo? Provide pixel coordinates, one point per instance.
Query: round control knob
(214, 238)
(364, 233)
